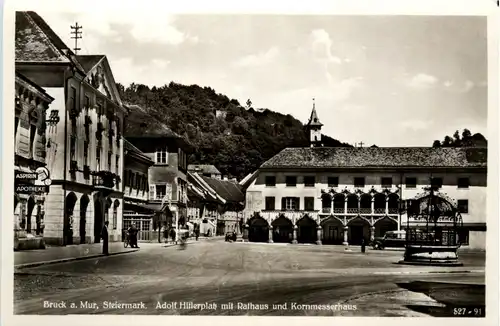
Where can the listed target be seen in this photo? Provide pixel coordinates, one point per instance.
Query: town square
(329, 181)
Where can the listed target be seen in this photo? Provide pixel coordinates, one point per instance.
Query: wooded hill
(236, 139)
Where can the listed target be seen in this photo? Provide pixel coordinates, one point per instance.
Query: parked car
(390, 239)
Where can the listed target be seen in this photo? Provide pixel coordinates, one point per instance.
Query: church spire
(314, 127)
(313, 120)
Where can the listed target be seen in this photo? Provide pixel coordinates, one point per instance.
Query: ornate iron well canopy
(432, 225)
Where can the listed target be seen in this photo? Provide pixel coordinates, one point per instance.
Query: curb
(57, 261)
(430, 272)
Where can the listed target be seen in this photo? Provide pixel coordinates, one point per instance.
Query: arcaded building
(85, 134)
(342, 195)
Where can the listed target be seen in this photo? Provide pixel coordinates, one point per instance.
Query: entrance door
(98, 220)
(356, 235)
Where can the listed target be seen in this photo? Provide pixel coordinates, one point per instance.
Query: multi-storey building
(135, 192)
(167, 178)
(87, 168)
(30, 154)
(343, 195)
(216, 203)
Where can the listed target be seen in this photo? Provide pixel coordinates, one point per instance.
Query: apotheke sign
(37, 182)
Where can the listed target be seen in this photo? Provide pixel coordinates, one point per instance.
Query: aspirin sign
(33, 182)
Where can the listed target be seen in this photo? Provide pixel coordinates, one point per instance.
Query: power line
(77, 34)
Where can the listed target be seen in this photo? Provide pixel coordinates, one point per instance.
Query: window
(333, 181)
(290, 203)
(359, 182)
(161, 156)
(87, 102)
(32, 139)
(117, 164)
(291, 181)
(463, 182)
(309, 181)
(161, 191)
(86, 152)
(72, 99)
(386, 182)
(463, 236)
(16, 123)
(437, 182)
(125, 178)
(115, 217)
(270, 181)
(309, 203)
(463, 206)
(411, 182)
(110, 157)
(270, 203)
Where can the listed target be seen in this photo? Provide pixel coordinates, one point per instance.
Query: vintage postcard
(329, 160)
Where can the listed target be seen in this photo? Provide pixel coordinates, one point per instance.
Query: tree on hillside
(467, 140)
(237, 142)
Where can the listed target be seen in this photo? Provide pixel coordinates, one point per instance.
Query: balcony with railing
(292, 215)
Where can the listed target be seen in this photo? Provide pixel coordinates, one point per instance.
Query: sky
(384, 80)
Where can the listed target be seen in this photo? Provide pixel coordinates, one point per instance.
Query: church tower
(314, 128)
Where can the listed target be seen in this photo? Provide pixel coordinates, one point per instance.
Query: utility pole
(77, 34)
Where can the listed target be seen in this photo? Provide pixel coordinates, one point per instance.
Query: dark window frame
(270, 184)
(290, 184)
(268, 201)
(333, 184)
(410, 185)
(308, 183)
(463, 206)
(463, 185)
(385, 184)
(309, 200)
(357, 184)
(436, 184)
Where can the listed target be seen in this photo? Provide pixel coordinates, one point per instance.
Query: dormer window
(162, 156)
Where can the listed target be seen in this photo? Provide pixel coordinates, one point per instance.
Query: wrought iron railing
(352, 210)
(337, 210)
(365, 210)
(379, 211)
(393, 210)
(447, 237)
(326, 210)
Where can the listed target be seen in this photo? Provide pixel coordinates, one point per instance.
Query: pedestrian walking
(105, 238)
(132, 233)
(363, 245)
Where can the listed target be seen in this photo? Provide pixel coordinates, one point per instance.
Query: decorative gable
(101, 78)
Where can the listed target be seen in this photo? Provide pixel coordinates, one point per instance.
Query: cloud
(162, 64)
(422, 81)
(258, 59)
(145, 26)
(415, 125)
(322, 47)
(456, 88)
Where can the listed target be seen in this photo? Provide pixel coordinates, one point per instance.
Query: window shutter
(151, 192)
(283, 203)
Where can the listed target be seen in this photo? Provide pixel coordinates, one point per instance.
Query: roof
(129, 147)
(228, 190)
(33, 43)
(397, 157)
(36, 42)
(89, 61)
(205, 168)
(41, 90)
(140, 124)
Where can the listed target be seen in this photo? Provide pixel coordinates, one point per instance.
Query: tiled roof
(37, 42)
(228, 190)
(32, 42)
(205, 168)
(129, 147)
(356, 157)
(141, 124)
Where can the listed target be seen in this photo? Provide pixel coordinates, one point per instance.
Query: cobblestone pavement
(252, 275)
